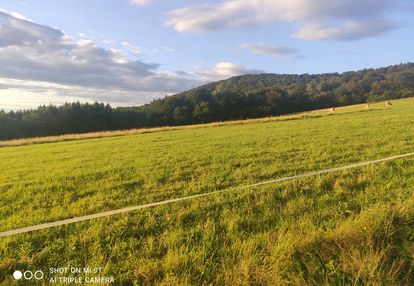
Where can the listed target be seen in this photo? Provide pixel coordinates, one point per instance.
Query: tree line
(242, 97)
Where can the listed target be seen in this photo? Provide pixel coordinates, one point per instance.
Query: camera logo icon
(28, 275)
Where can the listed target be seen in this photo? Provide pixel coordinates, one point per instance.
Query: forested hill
(273, 94)
(248, 96)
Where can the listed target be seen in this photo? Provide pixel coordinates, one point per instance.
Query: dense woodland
(242, 97)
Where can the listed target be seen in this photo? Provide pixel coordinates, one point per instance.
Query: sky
(128, 52)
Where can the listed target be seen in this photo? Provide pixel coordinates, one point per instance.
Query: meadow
(354, 227)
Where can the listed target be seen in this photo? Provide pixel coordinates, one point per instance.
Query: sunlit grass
(104, 134)
(349, 228)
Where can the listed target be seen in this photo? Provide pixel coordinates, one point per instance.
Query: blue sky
(127, 52)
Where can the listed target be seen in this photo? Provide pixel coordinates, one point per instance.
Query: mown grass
(348, 228)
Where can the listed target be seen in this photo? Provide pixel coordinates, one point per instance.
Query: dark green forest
(242, 97)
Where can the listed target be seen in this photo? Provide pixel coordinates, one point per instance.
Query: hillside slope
(273, 94)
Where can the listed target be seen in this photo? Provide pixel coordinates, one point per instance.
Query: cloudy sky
(127, 52)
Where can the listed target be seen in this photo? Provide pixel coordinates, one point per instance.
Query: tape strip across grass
(150, 205)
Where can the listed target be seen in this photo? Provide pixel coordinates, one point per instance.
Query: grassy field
(353, 227)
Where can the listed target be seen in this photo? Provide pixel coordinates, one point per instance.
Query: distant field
(104, 134)
(349, 228)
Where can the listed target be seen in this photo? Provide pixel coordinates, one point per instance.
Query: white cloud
(326, 19)
(141, 2)
(131, 48)
(24, 94)
(351, 30)
(224, 70)
(269, 50)
(15, 15)
(164, 49)
(37, 53)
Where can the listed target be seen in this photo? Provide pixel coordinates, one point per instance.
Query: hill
(249, 96)
(352, 227)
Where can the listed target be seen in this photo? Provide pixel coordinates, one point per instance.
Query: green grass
(353, 227)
